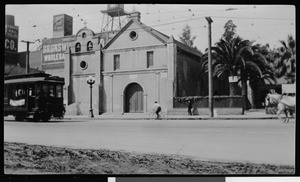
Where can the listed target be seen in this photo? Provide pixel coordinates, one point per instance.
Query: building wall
(53, 53)
(136, 58)
(152, 83)
(187, 71)
(133, 69)
(35, 58)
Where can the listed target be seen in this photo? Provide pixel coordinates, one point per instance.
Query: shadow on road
(53, 120)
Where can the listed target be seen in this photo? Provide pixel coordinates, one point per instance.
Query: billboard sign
(11, 31)
(62, 25)
(53, 50)
(11, 45)
(11, 38)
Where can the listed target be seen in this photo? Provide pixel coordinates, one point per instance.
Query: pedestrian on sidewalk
(157, 109)
(190, 106)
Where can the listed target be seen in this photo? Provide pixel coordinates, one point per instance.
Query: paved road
(259, 141)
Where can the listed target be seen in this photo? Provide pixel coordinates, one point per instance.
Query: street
(259, 141)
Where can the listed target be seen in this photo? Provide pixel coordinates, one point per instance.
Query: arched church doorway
(133, 98)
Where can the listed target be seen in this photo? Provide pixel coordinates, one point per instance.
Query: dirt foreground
(21, 158)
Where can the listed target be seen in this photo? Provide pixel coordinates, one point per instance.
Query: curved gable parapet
(87, 31)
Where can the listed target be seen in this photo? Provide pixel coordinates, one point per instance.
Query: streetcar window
(31, 90)
(45, 88)
(38, 88)
(19, 92)
(51, 91)
(59, 91)
(24, 90)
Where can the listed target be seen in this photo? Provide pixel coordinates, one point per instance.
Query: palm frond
(245, 51)
(283, 43)
(251, 66)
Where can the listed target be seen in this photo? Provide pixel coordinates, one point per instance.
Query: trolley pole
(27, 55)
(91, 80)
(210, 76)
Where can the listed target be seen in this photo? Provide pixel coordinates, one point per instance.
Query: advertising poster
(11, 38)
(53, 50)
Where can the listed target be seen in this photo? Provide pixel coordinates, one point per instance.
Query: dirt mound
(32, 159)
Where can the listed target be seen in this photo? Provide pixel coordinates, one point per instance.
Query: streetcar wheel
(36, 117)
(62, 114)
(46, 116)
(19, 117)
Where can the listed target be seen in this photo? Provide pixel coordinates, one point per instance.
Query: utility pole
(27, 55)
(210, 76)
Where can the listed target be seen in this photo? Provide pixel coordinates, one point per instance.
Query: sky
(260, 23)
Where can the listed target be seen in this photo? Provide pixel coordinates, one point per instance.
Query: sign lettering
(11, 31)
(10, 44)
(11, 38)
(53, 50)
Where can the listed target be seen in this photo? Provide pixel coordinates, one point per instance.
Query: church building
(142, 65)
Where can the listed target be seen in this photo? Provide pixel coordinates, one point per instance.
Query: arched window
(89, 46)
(77, 47)
(83, 35)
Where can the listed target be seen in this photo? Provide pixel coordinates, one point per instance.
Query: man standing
(190, 106)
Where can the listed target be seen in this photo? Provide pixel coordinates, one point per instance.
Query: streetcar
(34, 95)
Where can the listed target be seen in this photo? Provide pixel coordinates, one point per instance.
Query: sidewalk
(250, 114)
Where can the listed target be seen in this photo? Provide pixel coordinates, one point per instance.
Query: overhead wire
(185, 19)
(252, 18)
(191, 19)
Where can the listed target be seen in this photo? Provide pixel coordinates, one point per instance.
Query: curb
(174, 118)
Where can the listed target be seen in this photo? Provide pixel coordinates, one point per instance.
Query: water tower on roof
(114, 17)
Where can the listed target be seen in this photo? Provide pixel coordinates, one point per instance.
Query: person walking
(190, 106)
(157, 109)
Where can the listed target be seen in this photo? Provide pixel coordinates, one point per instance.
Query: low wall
(224, 104)
(202, 101)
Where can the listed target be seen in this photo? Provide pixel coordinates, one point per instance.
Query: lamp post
(91, 80)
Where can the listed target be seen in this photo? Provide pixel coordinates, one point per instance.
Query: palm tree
(267, 74)
(285, 62)
(237, 57)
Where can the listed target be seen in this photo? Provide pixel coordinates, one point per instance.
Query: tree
(230, 29)
(285, 61)
(237, 57)
(186, 37)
